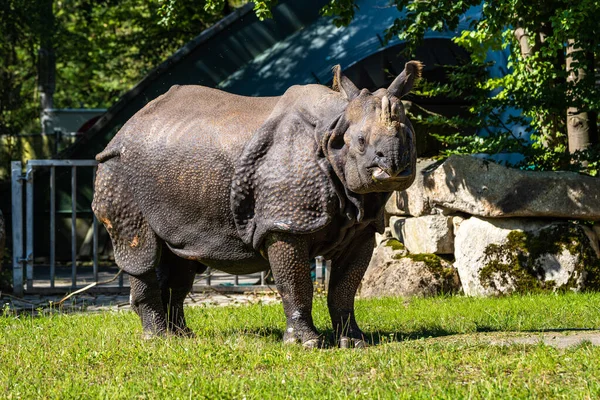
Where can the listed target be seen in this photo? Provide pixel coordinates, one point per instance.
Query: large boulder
(428, 234)
(394, 272)
(498, 256)
(483, 188)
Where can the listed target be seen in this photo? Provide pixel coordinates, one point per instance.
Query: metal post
(208, 276)
(73, 227)
(17, 226)
(95, 233)
(263, 276)
(29, 225)
(236, 280)
(319, 269)
(52, 225)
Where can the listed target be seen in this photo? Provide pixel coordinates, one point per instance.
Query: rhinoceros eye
(361, 142)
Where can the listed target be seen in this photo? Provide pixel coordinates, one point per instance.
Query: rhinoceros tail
(107, 154)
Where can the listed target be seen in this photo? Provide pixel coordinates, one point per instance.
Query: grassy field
(427, 348)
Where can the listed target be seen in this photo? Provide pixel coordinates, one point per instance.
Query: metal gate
(47, 274)
(35, 273)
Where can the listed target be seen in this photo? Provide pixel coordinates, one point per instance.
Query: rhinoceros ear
(405, 81)
(344, 85)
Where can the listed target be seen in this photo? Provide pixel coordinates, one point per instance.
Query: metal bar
(319, 269)
(263, 276)
(73, 226)
(52, 226)
(17, 226)
(29, 225)
(208, 275)
(62, 163)
(236, 280)
(94, 233)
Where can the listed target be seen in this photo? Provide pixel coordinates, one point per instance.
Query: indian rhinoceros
(200, 177)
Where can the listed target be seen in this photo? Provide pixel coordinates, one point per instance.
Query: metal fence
(34, 229)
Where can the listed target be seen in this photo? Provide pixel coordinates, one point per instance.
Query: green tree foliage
(553, 47)
(102, 48)
(19, 42)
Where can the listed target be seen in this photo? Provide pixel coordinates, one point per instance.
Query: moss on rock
(446, 274)
(518, 263)
(395, 244)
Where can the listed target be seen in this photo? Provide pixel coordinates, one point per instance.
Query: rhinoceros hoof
(317, 343)
(349, 343)
(149, 335)
(290, 337)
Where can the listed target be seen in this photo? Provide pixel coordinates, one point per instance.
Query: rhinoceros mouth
(380, 175)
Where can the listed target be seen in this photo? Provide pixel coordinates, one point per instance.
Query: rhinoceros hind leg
(137, 249)
(176, 278)
(146, 301)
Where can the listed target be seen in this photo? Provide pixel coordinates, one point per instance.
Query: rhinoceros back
(178, 155)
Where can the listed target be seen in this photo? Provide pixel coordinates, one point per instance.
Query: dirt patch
(560, 340)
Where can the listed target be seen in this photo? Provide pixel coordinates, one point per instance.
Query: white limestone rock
(393, 272)
(483, 188)
(498, 256)
(428, 234)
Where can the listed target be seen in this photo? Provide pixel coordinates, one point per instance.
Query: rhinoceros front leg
(288, 256)
(346, 274)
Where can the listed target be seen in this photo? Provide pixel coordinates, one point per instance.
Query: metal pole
(263, 276)
(52, 226)
(29, 225)
(208, 276)
(319, 269)
(73, 226)
(94, 233)
(17, 226)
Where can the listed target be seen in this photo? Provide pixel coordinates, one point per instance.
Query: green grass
(428, 348)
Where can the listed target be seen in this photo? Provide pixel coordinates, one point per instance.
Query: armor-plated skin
(200, 177)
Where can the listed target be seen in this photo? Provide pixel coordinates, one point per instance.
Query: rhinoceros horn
(405, 81)
(343, 84)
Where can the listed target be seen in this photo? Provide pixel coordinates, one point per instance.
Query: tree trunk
(551, 125)
(581, 124)
(46, 64)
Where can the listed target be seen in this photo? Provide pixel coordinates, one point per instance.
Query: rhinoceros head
(372, 145)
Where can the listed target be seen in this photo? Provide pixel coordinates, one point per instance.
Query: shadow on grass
(373, 338)
(376, 338)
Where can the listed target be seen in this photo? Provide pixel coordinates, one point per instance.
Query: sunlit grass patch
(438, 347)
